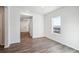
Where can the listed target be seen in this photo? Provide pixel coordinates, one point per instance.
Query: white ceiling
(39, 9)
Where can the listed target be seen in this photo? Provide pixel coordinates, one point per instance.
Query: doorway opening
(26, 28)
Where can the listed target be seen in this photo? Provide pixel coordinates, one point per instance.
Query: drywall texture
(69, 26)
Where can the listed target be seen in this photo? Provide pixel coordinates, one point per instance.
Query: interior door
(1, 25)
(0, 29)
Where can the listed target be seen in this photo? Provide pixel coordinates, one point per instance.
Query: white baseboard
(63, 43)
(6, 46)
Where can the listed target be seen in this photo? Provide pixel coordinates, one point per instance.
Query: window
(56, 24)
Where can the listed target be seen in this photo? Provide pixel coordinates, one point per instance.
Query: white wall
(14, 25)
(69, 29)
(38, 26)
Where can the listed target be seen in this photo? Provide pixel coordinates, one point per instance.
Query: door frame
(20, 26)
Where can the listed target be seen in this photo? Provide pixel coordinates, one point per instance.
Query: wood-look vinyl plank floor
(38, 45)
